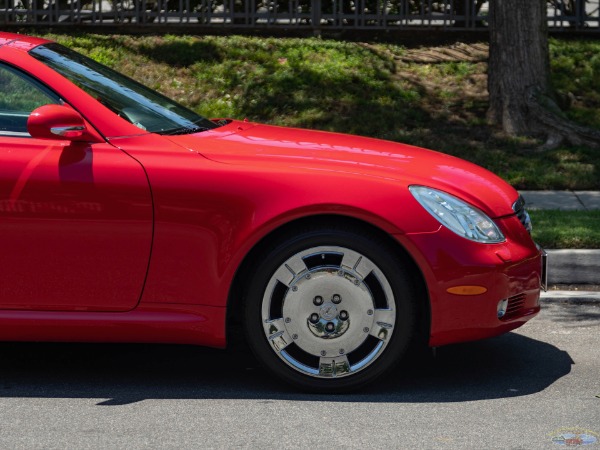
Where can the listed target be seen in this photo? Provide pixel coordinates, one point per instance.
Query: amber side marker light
(467, 290)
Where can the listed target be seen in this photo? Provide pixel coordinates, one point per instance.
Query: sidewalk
(581, 267)
(564, 200)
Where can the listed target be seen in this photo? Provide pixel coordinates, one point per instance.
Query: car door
(75, 218)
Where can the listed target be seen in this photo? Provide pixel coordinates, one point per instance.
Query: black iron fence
(316, 15)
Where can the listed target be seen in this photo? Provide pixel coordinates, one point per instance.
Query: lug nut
(336, 299)
(365, 329)
(323, 352)
(342, 351)
(288, 320)
(330, 327)
(314, 318)
(370, 312)
(318, 301)
(343, 315)
(294, 336)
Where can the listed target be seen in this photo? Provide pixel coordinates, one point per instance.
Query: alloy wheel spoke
(357, 263)
(383, 324)
(277, 334)
(333, 366)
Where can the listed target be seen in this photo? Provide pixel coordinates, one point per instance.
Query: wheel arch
(236, 296)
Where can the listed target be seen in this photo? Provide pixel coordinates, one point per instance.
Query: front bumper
(512, 271)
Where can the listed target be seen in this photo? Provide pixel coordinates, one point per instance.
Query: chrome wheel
(328, 312)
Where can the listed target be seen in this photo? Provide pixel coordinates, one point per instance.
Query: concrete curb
(562, 200)
(573, 267)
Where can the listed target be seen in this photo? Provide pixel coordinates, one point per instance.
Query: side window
(19, 96)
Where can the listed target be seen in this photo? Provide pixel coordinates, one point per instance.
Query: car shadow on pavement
(507, 366)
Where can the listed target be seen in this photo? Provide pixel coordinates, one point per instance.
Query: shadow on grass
(375, 108)
(182, 53)
(504, 367)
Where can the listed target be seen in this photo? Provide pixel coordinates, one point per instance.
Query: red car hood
(247, 143)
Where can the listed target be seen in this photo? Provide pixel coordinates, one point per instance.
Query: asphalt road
(516, 391)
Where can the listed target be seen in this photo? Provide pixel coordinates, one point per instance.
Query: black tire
(319, 290)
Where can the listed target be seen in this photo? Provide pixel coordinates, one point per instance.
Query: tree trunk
(521, 100)
(519, 60)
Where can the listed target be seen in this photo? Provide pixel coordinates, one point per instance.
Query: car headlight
(460, 217)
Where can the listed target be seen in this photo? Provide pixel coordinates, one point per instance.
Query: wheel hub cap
(328, 311)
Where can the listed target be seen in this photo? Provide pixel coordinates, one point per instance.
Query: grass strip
(566, 229)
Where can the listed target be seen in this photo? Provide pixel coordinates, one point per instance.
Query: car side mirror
(58, 122)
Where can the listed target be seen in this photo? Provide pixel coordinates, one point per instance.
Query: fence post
(316, 14)
(580, 14)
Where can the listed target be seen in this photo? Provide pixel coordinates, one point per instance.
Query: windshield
(129, 99)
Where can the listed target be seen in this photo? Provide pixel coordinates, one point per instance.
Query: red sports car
(126, 217)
